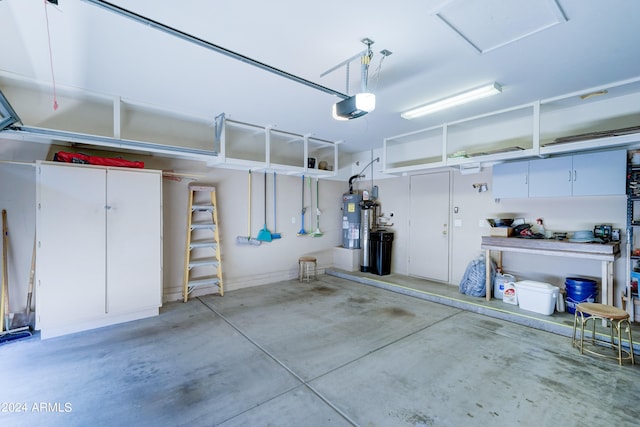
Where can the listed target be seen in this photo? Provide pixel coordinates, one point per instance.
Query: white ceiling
(98, 51)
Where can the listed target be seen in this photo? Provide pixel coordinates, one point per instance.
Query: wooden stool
(307, 265)
(616, 317)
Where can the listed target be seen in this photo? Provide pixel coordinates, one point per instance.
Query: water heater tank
(351, 220)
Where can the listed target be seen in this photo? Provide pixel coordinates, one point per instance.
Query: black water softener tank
(380, 256)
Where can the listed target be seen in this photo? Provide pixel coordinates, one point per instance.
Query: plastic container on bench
(538, 297)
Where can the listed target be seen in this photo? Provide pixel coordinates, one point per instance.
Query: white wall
(243, 265)
(566, 214)
(559, 214)
(248, 265)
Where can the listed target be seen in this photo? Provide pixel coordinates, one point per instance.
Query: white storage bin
(539, 297)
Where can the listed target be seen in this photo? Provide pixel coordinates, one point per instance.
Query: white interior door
(429, 226)
(134, 245)
(70, 219)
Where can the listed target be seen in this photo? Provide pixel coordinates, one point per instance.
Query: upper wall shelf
(113, 123)
(502, 134)
(250, 146)
(538, 129)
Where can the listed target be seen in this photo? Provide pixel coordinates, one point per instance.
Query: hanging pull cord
(378, 70)
(53, 78)
(365, 60)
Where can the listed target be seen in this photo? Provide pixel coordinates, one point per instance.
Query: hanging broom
(6, 333)
(302, 231)
(248, 240)
(317, 233)
(264, 235)
(275, 235)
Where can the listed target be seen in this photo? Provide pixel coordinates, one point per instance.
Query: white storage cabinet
(511, 180)
(589, 174)
(99, 246)
(552, 177)
(600, 173)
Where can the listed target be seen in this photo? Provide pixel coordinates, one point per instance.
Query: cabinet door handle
(569, 175)
(575, 175)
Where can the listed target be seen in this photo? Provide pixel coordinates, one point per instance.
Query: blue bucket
(578, 291)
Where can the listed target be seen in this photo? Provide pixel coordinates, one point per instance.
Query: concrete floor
(558, 323)
(332, 352)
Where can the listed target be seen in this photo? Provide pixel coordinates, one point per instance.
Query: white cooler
(539, 297)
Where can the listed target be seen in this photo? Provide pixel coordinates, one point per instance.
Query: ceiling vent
(489, 24)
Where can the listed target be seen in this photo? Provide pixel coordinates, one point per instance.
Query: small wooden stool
(617, 319)
(307, 265)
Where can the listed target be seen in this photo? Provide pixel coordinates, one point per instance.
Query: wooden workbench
(606, 253)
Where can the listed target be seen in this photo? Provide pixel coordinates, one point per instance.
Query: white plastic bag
(473, 282)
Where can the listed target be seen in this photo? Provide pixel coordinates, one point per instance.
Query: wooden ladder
(202, 263)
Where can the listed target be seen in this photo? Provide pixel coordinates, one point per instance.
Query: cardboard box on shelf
(501, 231)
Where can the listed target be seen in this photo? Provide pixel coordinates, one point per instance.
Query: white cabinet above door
(550, 177)
(600, 174)
(511, 180)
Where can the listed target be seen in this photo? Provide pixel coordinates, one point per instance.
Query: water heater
(351, 220)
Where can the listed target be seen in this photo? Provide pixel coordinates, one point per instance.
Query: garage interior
(261, 105)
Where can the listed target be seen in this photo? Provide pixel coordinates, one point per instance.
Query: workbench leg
(607, 283)
(604, 295)
(607, 286)
(487, 263)
(611, 283)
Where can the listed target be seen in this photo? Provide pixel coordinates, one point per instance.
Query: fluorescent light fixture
(355, 106)
(462, 98)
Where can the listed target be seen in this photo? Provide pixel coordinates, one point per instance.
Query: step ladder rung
(202, 225)
(207, 281)
(203, 244)
(202, 208)
(203, 262)
(202, 187)
(202, 232)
